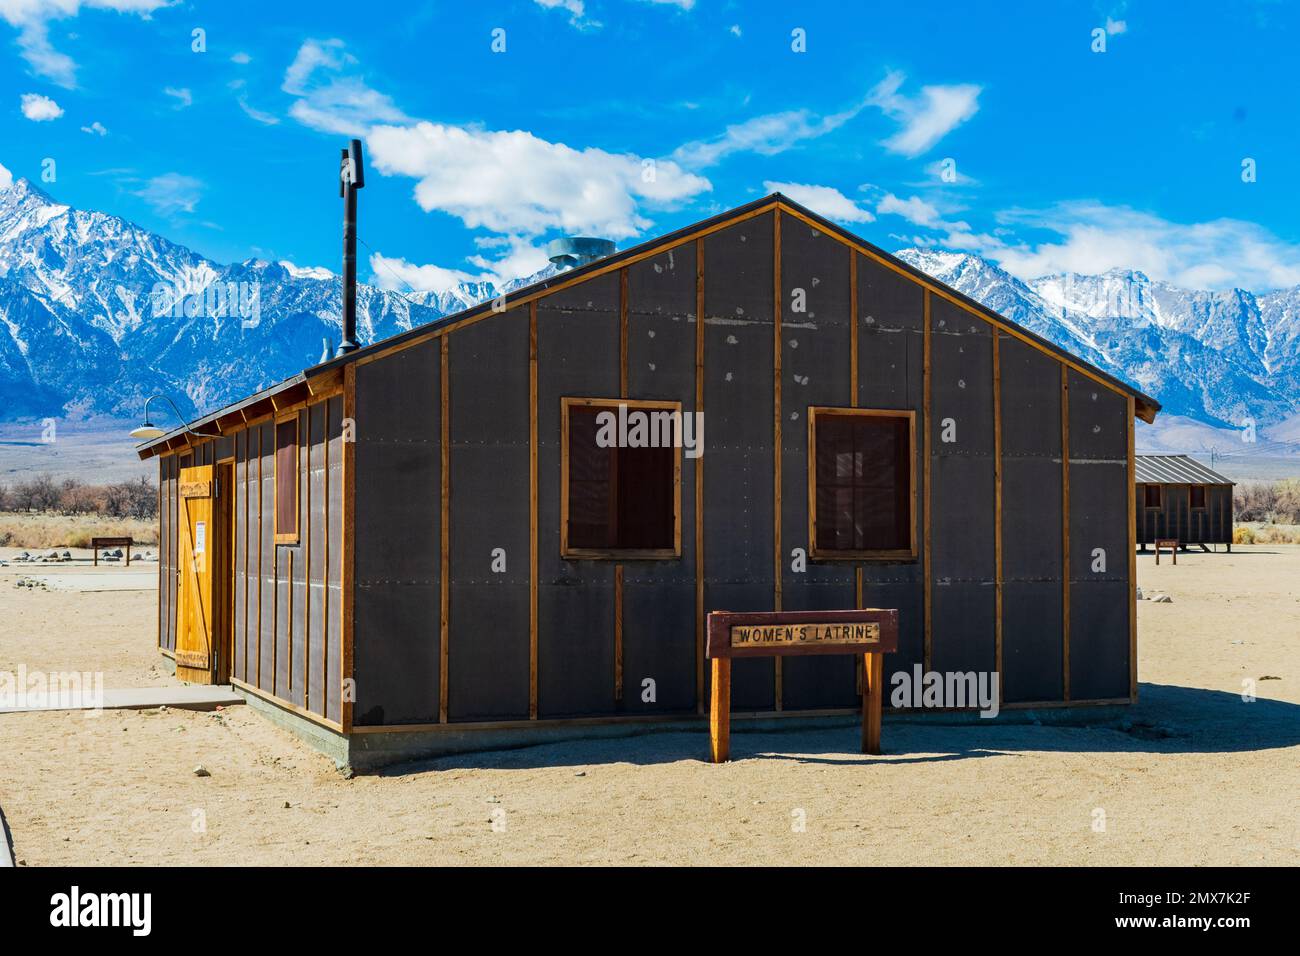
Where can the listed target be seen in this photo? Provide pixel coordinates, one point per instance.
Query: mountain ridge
(97, 313)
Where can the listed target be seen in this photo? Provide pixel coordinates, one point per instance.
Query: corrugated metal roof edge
(1180, 477)
(147, 449)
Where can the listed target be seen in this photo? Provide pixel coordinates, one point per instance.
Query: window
(862, 494)
(1152, 499)
(1198, 497)
(620, 479)
(286, 481)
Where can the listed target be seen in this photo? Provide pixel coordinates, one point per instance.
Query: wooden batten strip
(776, 432)
(699, 479)
(1065, 527)
(347, 602)
(532, 511)
(1132, 563)
(997, 508)
(306, 573)
(444, 591)
(288, 618)
(162, 554)
(244, 530)
(275, 580)
(325, 573)
(261, 546)
(618, 633)
(925, 470)
(622, 333)
(853, 329)
(618, 568)
(858, 662)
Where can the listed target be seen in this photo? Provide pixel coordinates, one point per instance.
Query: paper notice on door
(200, 536)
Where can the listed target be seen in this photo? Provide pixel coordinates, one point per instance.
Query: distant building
(1180, 499)
(424, 545)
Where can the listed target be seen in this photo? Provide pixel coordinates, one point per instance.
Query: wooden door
(196, 623)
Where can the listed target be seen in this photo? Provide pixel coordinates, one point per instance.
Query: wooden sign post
(871, 632)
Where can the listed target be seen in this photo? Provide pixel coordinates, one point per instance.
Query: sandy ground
(1201, 777)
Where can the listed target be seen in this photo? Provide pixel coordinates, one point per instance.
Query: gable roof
(1145, 406)
(1174, 470)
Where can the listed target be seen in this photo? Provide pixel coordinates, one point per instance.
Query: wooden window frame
(282, 536)
(1205, 498)
(1160, 497)
(817, 553)
(617, 554)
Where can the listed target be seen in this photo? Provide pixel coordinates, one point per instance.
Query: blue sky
(627, 119)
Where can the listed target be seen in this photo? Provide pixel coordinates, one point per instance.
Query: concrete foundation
(367, 751)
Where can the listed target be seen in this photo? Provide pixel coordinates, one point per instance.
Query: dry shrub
(1276, 502)
(46, 531)
(1264, 533)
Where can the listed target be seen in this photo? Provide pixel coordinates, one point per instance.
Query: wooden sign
(195, 489)
(197, 659)
(871, 632)
(769, 633)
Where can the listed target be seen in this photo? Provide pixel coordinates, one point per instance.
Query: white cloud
(6, 177)
(398, 275)
(171, 193)
(519, 184)
(181, 95)
(577, 12)
(1094, 237)
(241, 58)
(265, 118)
(824, 200)
(330, 100)
(683, 4)
(31, 18)
(96, 129)
(734, 29)
(927, 118)
(766, 135)
(1114, 27)
(40, 109)
(914, 209)
(521, 258)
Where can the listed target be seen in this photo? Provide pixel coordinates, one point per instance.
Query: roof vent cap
(569, 252)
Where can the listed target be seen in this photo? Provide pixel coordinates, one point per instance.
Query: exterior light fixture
(148, 431)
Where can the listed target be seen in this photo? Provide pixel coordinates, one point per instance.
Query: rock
(1270, 677)
(286, 804)
(67, 555)
(1162, 599)
(581, 773)
(201, 771)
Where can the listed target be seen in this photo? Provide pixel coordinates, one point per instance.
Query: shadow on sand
(1166, 720)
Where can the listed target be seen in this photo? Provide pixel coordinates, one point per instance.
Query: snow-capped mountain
(1221, 358)
(97, 313)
